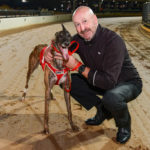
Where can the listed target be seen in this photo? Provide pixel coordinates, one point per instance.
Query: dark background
(70, 5)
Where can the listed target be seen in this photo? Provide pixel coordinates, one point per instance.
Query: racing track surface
(21, 123)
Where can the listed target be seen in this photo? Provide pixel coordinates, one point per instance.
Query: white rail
(11, 23)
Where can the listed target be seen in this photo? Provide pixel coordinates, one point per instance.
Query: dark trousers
(114, 100)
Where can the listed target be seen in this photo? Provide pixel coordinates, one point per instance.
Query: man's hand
(47, 55)
(72, 62)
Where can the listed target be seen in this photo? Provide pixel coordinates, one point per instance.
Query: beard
(86, 30)
(92, 30)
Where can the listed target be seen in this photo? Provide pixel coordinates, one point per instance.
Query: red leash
(72, 42)
(70, 53)
(52, 46)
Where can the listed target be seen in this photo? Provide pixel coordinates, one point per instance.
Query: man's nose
(82, 27)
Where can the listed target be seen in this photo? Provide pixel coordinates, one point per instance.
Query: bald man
(106, 70)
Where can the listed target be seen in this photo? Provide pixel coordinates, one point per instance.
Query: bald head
(83, 9)
(85, 22)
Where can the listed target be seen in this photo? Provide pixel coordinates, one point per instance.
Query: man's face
(85, 24)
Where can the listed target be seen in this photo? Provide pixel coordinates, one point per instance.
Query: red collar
(70, 53)
(52, 46)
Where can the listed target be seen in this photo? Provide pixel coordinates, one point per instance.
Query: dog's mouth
(64, 51)
(63, 46)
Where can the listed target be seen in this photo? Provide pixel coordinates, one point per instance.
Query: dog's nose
(66, 43)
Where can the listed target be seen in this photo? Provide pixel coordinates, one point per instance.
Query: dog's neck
(57, 63)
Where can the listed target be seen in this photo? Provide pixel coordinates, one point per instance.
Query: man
(107, 70)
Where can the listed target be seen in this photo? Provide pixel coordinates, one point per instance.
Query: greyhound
(54, 73)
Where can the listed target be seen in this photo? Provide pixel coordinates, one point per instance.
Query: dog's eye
(61, 34)
(68, 35)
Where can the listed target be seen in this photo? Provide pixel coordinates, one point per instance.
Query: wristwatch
(81, 69)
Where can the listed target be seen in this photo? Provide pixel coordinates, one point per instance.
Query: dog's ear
(63, 27)
(56, 34)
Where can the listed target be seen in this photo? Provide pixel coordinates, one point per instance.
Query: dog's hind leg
(32, 65)
(68, 104)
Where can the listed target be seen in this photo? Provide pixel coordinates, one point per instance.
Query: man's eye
(84, 21)
(77, 25)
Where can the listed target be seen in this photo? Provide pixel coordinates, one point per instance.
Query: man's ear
(95, 19)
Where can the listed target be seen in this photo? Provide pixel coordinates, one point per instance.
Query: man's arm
(73, 62)
(107, 76)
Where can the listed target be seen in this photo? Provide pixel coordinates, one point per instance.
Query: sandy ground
(21, 123)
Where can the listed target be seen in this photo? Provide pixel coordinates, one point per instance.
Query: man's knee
(77, 81)
(113, 101)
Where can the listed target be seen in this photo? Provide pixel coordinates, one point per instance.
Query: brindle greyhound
(60, 45)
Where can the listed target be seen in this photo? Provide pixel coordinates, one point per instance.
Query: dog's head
(62, 40)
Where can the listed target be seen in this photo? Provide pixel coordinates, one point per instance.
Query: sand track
(21, 123)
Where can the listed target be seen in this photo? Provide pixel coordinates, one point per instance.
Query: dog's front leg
(68, 104)
(48, 86)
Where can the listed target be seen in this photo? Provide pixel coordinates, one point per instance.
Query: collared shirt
(107, 57)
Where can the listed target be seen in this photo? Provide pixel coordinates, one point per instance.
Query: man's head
(85, 22)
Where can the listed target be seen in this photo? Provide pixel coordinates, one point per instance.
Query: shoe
(123, 135)
(98, 118)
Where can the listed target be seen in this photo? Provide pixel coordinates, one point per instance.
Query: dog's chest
(62, 79)
(58, 77)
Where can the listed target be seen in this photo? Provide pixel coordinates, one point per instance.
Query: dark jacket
(107, 57)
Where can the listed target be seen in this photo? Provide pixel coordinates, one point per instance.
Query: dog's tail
(34, 61)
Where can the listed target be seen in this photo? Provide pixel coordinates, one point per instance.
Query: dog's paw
(46, 131)
(53, 99)
(23, 99)
(75, 128)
